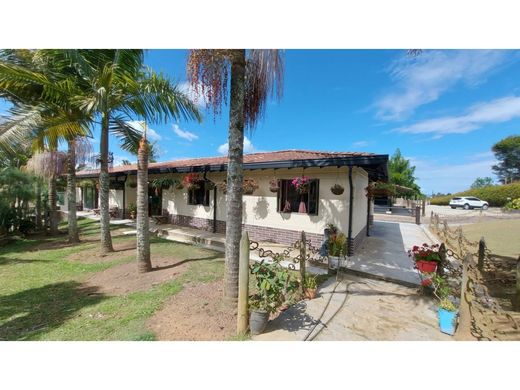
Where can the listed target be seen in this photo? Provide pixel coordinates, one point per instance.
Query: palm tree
(144, 263)
(254, 76)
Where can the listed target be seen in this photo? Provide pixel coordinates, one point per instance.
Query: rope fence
(489, 287)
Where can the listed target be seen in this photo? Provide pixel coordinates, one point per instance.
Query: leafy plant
(441, 288)
(337, 242)
(425, 252)
(496, 196)
(164, 183)
(132, 208)
(310, 282)
(448, 305)
(513, 204)
(273, 284)
(192, 181)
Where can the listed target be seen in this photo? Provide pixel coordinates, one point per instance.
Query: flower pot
(337, 189)
(426, 266)
(447, 321)
(132, 215)
(310, 293)
(334, 262)
(258, 321)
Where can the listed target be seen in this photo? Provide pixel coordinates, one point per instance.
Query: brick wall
(259, 233)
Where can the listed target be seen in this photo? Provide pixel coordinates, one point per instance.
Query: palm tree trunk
(71, 192)
(235, 175)
(104, 182)
(143, 231)
(53, 213)
(38, 208)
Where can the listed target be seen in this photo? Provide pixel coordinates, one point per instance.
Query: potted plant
(192, 181)
(178, 185)
(447, 311)
(249, 186)
(301, 184)
(132, 209)
(274, 185)
(337, 189)
(273, 283)
(426, 257)
(337, 246)
(310, 286)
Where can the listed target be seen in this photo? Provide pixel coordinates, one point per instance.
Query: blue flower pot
(447, 321)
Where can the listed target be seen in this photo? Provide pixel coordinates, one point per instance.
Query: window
(198, 196)
(290, 201)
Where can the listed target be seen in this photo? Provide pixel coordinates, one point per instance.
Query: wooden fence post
(243, 285)
(464, 329)
(303, 257)
(516, 303)
(424, 207)
(442, 255)
(481, 253)
(417, 215)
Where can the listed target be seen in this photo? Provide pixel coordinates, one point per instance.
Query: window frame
(314, 190)
(205, 198)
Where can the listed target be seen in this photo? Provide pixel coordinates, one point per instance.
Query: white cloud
(360, 144)
(184, 133)
(118, 160)
(194, 93)
(248, 147)
(150, 133)
(451, 177)
(421, 80)
(495, 111)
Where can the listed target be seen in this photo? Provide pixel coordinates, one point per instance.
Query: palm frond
(128, 135)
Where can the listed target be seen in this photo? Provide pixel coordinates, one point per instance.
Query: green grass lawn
(42, 296)
(502, 236)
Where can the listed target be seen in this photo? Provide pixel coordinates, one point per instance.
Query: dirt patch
(90, 256)
(124, 278)
(194, 314)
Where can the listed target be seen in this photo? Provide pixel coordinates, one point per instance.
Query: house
(277, 214)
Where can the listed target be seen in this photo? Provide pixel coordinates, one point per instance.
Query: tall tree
(481, 182)
(254, 76)
(144, 263)
(402, 173)
(507, 152)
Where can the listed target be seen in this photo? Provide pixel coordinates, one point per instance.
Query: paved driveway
(384, 253)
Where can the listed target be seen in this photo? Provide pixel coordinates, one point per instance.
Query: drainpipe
(350, 240)
(215, 209)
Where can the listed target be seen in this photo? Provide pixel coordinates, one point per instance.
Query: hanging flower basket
(178, 185)
(274, 185)
(249, 186)
(209, 185)
(192, 181)
(301, 184)
(379, 188)
(337, 189)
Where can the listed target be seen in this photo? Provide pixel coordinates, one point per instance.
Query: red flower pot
(426, 266)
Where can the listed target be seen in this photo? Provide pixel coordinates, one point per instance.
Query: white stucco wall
(260, 208)
(115, 198)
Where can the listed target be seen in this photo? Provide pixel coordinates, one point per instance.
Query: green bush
(513, 205)
(496, 196)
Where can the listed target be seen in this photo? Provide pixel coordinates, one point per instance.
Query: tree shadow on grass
(28, 314)
(213, 257)
(12, 260)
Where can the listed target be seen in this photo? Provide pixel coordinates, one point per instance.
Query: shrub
(496, 196)
(513, 205)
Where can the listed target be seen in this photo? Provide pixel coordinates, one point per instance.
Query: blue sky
(443, 109)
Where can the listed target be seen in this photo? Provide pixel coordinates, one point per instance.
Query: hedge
(496, 196)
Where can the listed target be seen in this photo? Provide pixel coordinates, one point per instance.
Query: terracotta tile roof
(282, 155)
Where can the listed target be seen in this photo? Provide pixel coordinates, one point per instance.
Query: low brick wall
(259, 233)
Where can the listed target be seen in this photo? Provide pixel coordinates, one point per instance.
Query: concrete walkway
(384, 253)
(359, 309)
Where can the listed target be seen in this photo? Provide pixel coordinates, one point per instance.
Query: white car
(468, 202)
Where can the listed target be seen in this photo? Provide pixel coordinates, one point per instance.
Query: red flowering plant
(192, 181)
(425, 252)
(301, 184)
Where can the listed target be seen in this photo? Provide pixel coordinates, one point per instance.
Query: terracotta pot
(310, 293)
(426, 266)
